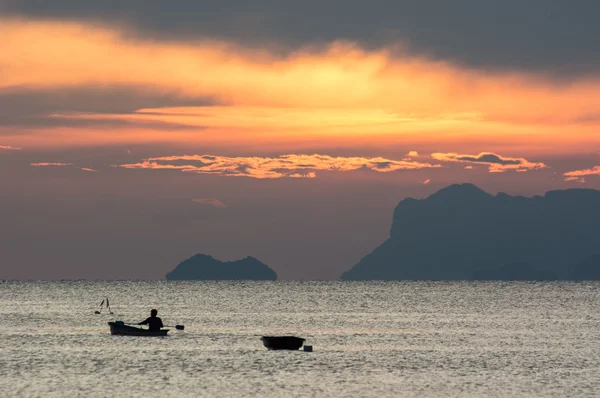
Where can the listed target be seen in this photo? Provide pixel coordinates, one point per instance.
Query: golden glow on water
(383, 338)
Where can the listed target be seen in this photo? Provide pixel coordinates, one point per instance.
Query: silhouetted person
(154, 322)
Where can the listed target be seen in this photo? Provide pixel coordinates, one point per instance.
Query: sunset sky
(135, 134)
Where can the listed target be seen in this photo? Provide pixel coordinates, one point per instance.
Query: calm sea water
(370, 339)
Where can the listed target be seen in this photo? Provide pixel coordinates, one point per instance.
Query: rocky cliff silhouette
(513, 272)
(587, 270)
(464, 233)
(203, 267)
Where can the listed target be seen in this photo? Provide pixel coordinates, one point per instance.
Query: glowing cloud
(60, 164)
(51, 164)
(412, 154)
(292, 166)
(334, 93)
(343, 74)
(578, 175)
(9, 148)
(210, 202)
(427, 181)
(496, 163)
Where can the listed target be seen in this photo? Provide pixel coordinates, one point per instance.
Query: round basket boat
(282, 342)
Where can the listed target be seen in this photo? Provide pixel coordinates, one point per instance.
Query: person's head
(153, 313)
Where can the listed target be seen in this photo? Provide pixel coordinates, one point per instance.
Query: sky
(136, 134)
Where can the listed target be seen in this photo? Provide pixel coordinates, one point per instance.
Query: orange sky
(340, 94)
(149, 139)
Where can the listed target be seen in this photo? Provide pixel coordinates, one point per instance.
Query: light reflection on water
(369, 339)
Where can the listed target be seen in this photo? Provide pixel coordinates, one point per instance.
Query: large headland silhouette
(463, 233)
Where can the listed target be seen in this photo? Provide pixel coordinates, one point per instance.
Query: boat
(119, 328)
(282, 342)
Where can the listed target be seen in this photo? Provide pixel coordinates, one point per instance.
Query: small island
(204, 267)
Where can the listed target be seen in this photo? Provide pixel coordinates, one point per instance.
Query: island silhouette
(204, 267)
(464, 233)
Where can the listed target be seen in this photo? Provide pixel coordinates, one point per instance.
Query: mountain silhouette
(588, 269)
(203, 267)
(462, 233)
(513, 272)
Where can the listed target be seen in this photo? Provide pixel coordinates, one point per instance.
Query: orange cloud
(496, 163)
(50, 164)
(9, 148)
(343, 75)
(580, 180)
(60, 164)
(210, 202)
(578, 175)
(293, 166)
(337, 94)
(244, 123)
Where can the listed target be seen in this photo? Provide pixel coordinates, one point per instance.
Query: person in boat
(154, 322)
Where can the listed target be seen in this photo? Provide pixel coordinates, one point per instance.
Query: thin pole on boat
(108, 307)
(99, 311)
(102, 305)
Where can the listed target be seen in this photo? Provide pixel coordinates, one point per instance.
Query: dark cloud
(496, 163)
(593, 117)
(381, 165)
(555, 35)
(29, 107)
(489, 158)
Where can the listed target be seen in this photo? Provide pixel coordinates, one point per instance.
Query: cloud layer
(214, 202)
(60, 164)
(509, 34)
(9, 148)
(579, 175)
(291, 166)
(496, 163)
(50, 164)
(338, 92)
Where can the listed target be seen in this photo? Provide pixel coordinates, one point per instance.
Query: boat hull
(282, 342)
(118, 329)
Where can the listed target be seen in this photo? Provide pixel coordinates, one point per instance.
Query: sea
(369, 339)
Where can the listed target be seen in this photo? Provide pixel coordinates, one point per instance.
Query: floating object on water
(119, 328)
(282, 342)
(308, 348)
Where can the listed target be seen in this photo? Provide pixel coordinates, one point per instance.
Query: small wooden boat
(120, 329)
(282, 342)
